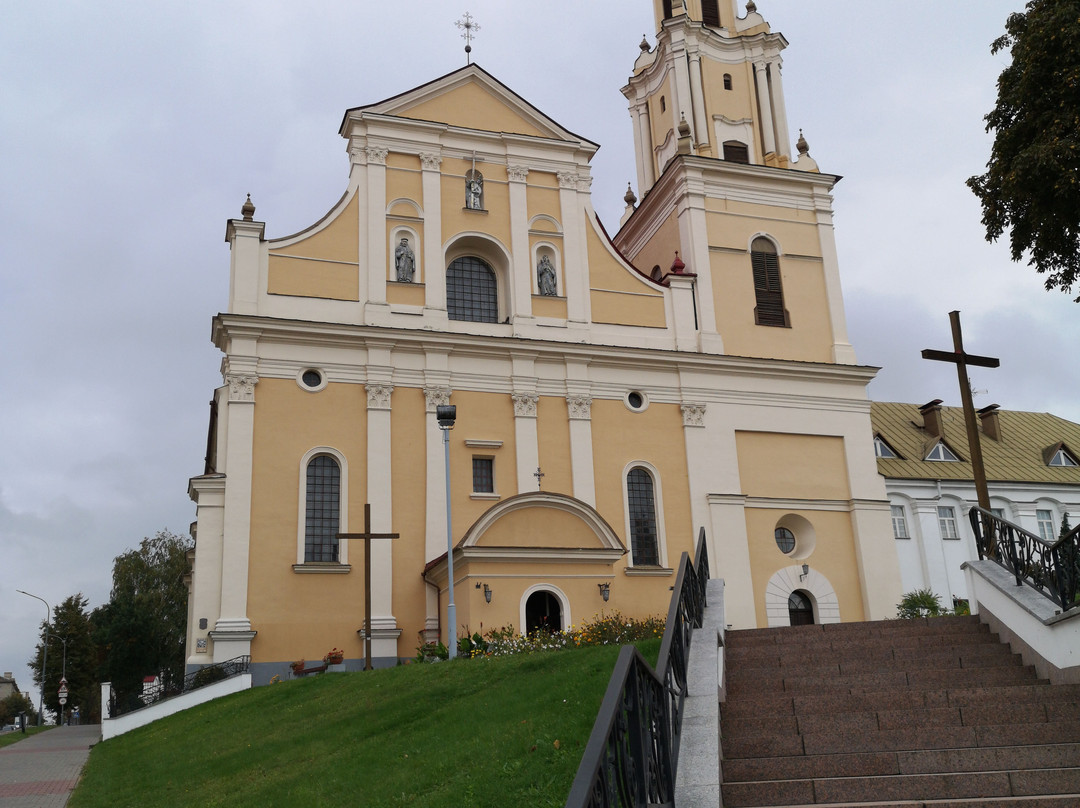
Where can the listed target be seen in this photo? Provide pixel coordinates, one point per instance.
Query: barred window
(472, 293)
(322, 515)
(767, 290)
(644, 545)
(483, 475)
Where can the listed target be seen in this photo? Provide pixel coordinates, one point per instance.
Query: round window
(312, 379)
(785, 540)
(636, 400)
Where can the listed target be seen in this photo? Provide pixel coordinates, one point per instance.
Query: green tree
(1032, 183)
(13, 704)
(142, 629)
(1066, 529)
(72, 653)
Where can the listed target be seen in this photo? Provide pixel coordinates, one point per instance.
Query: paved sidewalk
(42, 770)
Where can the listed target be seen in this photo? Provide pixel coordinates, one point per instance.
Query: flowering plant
(335, 656)
(297, 666)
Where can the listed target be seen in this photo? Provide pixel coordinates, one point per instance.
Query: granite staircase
(912, 713)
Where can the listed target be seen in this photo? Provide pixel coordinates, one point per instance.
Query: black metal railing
(632, 755)
(151, 694)
(1052, 568)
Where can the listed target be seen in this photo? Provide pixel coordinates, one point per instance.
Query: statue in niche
(474, 190)
(545, 277)
(404, 261)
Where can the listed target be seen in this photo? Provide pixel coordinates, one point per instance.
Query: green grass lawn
(8, 738)
(496, 731)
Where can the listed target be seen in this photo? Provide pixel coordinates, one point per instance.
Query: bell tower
(720, 73)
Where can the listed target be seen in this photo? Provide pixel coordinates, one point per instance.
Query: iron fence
(1052, 568)
(632, 755)
(159, 690)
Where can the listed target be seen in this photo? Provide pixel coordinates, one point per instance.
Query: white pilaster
(783, 145)
(764, 108)
(522, 267)
(693, 233)
(245, 238)
(701, 127)
(236, 523)
(435, 496)
(359, 177)
(376, 229)
(646, 175)
(579, 406)
(379, 478)
(730, 558)
(208, 493)
(434, 269)
(576, 259)
(525, 438)
(842, 351)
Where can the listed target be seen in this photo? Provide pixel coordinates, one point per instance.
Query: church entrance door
(800, 609)
(543, 612)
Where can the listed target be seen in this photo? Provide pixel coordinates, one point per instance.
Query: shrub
(919, 603)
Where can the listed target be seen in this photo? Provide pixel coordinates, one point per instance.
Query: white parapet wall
(111, 727)
(1031, 623)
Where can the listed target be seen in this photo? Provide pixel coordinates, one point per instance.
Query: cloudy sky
(132, 132)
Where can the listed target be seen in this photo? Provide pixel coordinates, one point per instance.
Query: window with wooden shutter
(710, 13)
(736, 151)
(767, 289)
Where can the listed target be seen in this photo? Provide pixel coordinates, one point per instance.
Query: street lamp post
(44, 656)
(446, 415)
(63, 679)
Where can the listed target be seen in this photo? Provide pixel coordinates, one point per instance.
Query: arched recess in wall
(566, 619)
(494, 255)
(786, 581)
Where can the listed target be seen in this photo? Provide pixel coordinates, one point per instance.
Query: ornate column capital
(376, 155)
(584, 182)
(436, 396)
(378, 395)
(693, 414)
(517, 173)
(525, 404)
(580, 407)
(241, 386)
(430, 161)
(567, 179)
(357, 152)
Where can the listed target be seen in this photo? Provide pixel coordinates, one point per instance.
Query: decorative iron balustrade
(206, 675)
(632, 754)
(1052, 569)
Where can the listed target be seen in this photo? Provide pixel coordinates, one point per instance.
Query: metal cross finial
(468, 29)
(538, 475)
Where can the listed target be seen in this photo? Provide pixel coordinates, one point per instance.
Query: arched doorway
(543, 612)
(800, 609)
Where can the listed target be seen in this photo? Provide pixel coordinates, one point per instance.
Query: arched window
(641, 502)
(727, 81)
(767, 290)
(472, 292)
(322, 515)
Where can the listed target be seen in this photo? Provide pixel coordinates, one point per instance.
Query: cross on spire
(468, 29)
(962, 359)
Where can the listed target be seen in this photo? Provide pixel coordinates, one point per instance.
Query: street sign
(63, 700)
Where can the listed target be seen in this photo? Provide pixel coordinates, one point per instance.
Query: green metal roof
(1020, 455)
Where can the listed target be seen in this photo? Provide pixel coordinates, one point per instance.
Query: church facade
(614, 395)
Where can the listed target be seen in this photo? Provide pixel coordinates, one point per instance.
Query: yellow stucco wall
(553, 438)
(468, 103)
(480, 416)
(337, 241)
(620, 295)
(406, 294)
(773, 464)
(296, 614)
(325, 264)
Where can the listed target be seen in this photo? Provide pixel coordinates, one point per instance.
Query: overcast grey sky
(132, 132)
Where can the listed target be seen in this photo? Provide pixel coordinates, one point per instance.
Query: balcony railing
(1052, 568)
(633, 752)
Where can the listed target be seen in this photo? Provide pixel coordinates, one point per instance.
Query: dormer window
(1062, 458)
(942, 454)
(884, 450)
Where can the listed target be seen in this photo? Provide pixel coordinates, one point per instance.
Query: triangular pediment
(471, 98)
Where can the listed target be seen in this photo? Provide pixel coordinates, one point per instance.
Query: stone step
(739, 686)
(924, 787)
(951, 661)
(1060, 801)
(861, 740)
(791, 704)
(770, 657)
(850, 644)
(1044, 756)
(797, 634)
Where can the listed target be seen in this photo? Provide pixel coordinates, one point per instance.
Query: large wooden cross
(366, 537)
(962, 359)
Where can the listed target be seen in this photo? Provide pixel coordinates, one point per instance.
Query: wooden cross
(962, 359)
(538, 475)
(366, 537)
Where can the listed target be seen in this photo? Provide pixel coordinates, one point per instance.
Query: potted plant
(335, 656)
(297, 667)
